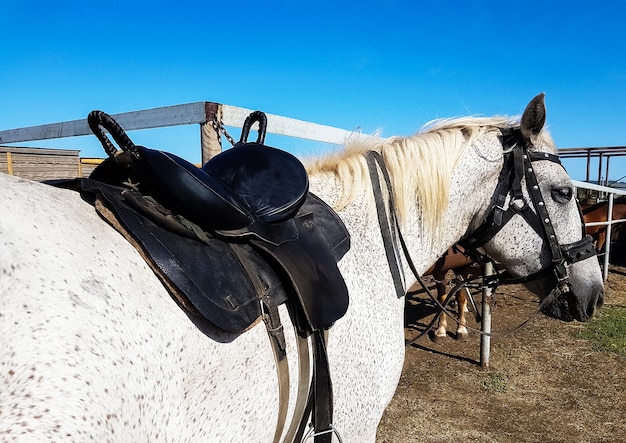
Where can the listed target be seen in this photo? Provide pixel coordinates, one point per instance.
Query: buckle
(518, 203)
(311, 433)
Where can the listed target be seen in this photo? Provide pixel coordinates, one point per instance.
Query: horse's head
(534, 227)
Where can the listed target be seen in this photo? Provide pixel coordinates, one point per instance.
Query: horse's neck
(472, 185)
(426, 248)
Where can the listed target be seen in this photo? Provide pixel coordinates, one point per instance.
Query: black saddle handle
(98, 120)
(256, 116)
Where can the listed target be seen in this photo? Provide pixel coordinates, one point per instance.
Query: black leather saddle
(248, 208)
(244, 185)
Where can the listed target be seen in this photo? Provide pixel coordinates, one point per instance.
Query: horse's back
(92, 346)
(88, 351)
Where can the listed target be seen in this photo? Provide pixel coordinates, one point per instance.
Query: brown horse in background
(464, 267)
(599, 213)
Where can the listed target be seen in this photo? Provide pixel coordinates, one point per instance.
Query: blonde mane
(420, 165)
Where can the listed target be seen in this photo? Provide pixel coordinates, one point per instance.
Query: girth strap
(276, 334)
(275, 331)
(322, 391)
(301, 411)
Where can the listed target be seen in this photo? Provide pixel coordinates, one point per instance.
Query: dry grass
(544, 383)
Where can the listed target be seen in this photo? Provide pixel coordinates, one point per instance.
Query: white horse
(92, 346)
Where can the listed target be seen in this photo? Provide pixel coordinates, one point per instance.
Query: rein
(490, 281)
(389, 229)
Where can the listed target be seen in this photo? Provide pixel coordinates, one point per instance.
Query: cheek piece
(518, 166)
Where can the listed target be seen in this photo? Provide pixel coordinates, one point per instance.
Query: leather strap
(387, 231)
(518, 166)
(300, 414)
(320, 400)
(322, 391)
(276, 334)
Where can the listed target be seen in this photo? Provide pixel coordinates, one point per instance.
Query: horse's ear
(534, 117)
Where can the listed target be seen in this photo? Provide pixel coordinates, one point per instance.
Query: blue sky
(375, 65)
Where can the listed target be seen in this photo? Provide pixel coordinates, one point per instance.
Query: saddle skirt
(223, 237)
(210, 278)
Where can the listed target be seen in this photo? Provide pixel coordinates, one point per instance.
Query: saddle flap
(313, 273)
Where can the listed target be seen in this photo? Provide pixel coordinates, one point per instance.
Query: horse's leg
(461, 300)
(601, 240)
(442, 326)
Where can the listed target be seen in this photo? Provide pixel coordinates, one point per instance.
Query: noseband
(517, 167)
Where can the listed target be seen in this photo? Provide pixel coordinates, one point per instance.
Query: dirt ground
(542, 384)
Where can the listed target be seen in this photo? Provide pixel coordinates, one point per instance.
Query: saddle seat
(236, 192)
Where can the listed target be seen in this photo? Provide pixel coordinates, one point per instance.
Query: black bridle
(518, 167)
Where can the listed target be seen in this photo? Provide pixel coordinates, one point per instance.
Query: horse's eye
(562, 195)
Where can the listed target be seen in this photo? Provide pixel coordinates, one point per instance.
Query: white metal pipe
(607, 241)
(485, 340)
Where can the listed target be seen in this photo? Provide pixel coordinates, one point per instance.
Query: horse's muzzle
(568, 307)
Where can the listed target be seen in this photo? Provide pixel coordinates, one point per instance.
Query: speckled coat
(93, 348)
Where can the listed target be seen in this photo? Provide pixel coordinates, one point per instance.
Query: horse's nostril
(597, 305)
(600, 300)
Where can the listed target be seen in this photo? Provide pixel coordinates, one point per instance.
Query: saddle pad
(208, 275)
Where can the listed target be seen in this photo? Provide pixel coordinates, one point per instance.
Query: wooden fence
(39, 163)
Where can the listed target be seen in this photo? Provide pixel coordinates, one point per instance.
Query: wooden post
(485, 340)
(9, 163)
(210, 137)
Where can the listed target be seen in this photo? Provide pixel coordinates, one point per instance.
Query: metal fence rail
(611, 193)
